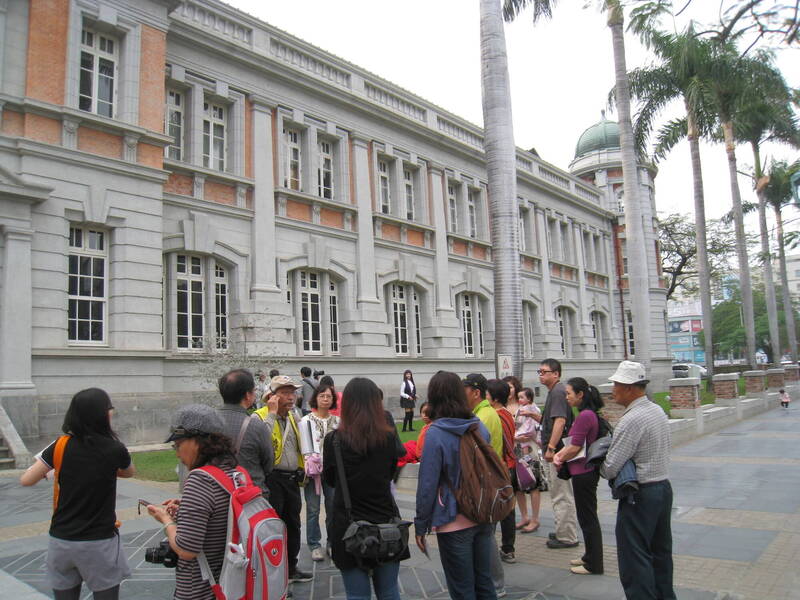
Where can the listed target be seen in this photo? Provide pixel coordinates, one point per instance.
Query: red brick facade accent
(13, 123)
(179, 184)
(684, 396)
(99, 142)
(754, 382)
(725, 390)
(150, 156)
(331, 218)
(48, 22)
(416, 238)
(220, 192)
(390, 232)
(459, 247)
(151, 79)
(479, 252)
(298, 210)
(42, 129)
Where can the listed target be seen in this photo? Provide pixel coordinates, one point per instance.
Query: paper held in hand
(581, 453)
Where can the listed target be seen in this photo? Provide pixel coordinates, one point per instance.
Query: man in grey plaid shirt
(644, 533)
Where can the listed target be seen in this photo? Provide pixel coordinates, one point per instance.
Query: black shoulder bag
(370, 544)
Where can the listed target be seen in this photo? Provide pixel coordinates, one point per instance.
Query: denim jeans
(466, 559)
(313, 533)
(384, 580)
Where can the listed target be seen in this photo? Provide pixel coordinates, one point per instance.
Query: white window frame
(175, 117)
(309, 290)
(471, 320)
(563, 320)
(523, 246)
(310, 300)
(87, 246)
(629, 328)
(221, 307)
(406, 318)
(215, 116)
(452, 207)
(597, 320)
(472, 215)
(95, 45)
(293, 178)
(193, 338)
(408, 184)
(384, 186)
(325, 169)
(333, 316)
(530, 318)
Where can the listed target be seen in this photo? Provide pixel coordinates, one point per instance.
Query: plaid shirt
(643, 435)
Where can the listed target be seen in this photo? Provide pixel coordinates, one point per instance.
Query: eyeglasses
(543, 371)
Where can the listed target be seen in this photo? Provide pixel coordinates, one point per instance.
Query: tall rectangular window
(472, 216)
(214, 136)
(87, 280)
(561, 319)
(417, 323)
(221, 308)
(98, 73)
(190, 325)
(631, 343)
(333, 317)
(565, 243)
(384, 187)
(325, 170)
(471, 316)
(521, 228)
(293, 159)
(310, 311)
(452, 208)
(596, 331)
(174, 114)
(408, 182)
(400, 318)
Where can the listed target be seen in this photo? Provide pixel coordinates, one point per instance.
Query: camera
(161, 555)
(318, 374)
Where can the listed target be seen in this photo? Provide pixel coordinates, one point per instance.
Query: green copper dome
(600, 136)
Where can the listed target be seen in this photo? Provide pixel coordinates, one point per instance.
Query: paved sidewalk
(736, 529)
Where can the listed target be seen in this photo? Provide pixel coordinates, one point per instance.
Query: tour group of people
(284, 431)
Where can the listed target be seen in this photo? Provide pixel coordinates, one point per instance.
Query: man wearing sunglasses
(556, 421)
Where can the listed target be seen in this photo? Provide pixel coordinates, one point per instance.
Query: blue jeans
(384, 580)
(466, 559)
(313, 533)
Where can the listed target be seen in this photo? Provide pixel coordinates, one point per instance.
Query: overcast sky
(561, 73)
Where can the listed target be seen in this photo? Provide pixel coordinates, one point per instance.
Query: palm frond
(668, 136)
(542, 9)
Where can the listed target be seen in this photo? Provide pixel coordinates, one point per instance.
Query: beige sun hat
(280, 381)
(629, 372)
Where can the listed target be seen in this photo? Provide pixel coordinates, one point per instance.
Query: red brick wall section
(479, 252)
(13, 123)
(220, 193)
(460, 248)
(390, 232)
(611, 412)
(298, 210)
(99, 142)
(331, 218)
(179, 184)
(792, 373)
(151, 156)
(775, 381)
(151, 79)
(415, 237)
(42, 129)
(725, 390)
(754, 384)
(684, 396)
(48, 22)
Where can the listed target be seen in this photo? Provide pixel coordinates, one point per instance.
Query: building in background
(792, 274)
(685, 323)
(179, 178)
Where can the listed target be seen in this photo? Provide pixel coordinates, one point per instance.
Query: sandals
(529, 529)
(522, 524)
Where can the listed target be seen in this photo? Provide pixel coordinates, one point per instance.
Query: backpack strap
(58, 458)
(237, 445)
(342, 477)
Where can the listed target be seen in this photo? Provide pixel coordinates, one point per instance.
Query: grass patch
(409, 435)
(158, 465)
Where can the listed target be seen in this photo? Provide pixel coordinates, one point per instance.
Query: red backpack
(484, 493)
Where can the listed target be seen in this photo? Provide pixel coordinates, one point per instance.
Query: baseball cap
(476, 380)
(194, 420)
(280, 381)
(629, 372)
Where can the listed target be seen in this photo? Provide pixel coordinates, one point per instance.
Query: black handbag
(370, 544)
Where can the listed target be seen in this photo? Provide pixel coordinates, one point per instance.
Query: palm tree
(638, 278)
(502, 181)
(767, 118)
(683, 60)
(778, 192)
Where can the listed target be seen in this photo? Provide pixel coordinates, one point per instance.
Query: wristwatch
(551, 449)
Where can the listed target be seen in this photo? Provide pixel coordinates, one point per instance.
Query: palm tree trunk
(502, 183)
(766, 258)
(638, 278)
(703, 268)
(741, 245)
(788, 309)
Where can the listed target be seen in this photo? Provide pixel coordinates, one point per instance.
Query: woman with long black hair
(84, 545)
(369, 453)
(583, 433)
(408, 399)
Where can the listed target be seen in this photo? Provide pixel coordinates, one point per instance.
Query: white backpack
(255, 565)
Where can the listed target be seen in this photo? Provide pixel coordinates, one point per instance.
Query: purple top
(585, 428)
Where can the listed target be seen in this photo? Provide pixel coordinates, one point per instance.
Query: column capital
(434, 167)
(262, 103)
(359, 139)
(16, 233)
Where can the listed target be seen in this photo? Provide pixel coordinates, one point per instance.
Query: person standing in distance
(408, 399)
(644, 532)
(556, 421)
(307, 387)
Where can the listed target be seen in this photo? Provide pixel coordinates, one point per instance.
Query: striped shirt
(202, 526)
(643, 435)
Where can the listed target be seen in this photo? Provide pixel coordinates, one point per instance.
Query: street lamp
(795, 184)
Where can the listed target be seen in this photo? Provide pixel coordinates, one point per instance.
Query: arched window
(406, 318)
(314, 297)
(470, 311)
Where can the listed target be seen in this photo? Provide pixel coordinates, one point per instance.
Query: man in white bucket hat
(644, 533)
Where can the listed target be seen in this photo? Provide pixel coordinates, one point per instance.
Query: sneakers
(317, 554)
(298, 576)
(507, 557)
(502, 593)
(551, 535)
(556, 543)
